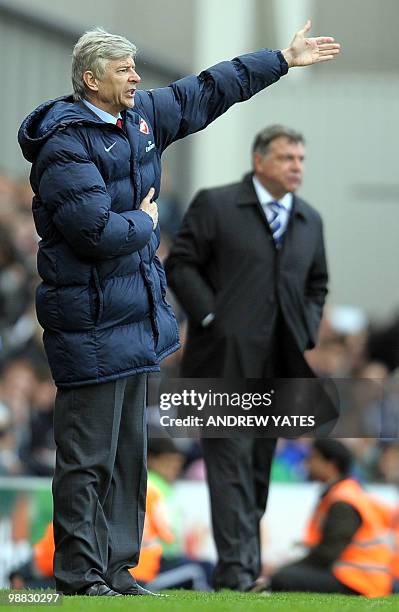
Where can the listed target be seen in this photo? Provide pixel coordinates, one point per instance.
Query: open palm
(306, 51)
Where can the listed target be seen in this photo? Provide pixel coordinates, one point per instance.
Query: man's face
(280, 169)
(116, 89)
(167, 465)
(317, 466)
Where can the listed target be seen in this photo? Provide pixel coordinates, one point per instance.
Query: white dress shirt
(265, 198)
(107, 117)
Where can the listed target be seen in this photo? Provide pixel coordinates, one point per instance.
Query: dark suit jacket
(224, 261)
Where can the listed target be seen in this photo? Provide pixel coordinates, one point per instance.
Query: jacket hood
(49, 117)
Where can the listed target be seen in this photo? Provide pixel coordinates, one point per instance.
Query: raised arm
(190, 104)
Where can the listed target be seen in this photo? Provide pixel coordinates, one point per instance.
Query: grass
(225, 601)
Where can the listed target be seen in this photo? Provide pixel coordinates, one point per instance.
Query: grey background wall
(346, 109)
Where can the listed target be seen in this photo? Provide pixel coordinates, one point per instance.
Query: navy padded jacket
(102, 300)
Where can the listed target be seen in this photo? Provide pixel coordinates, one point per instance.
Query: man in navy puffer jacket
(96, 169)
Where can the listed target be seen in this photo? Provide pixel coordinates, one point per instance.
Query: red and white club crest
(144, 127)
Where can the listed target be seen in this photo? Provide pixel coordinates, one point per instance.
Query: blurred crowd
(351, 348)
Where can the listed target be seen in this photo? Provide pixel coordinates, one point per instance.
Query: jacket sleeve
(190, 104)
(155, 241)
(73, 190)
(191, 252)
(317, 287)
(341, 524)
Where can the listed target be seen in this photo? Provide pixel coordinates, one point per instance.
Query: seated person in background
(346, 535)
(156, 533)
(37, 572)
(174, 571)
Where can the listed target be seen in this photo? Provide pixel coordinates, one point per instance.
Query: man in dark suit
(249, 268)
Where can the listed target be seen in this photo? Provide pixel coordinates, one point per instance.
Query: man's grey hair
(265, 137)
(92, 52)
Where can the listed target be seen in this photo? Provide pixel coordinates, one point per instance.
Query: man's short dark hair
(267, 135)
(336, 452)
(161, 446)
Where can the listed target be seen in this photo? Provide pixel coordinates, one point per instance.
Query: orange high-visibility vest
(156, 530)
(390, 516)
(43, 552)
(364, 565)
(395, 542)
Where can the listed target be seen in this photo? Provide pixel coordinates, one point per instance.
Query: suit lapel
(297, 225)
(248, 197)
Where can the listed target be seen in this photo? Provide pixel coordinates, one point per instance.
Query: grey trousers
(99, 485)
(238, 471)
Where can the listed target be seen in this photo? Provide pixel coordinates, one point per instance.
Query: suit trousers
(99, 484)
(238, 473)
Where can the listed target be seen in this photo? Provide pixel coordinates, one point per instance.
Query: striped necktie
(275, 223)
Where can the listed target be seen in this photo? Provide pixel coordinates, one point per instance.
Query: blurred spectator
(23, 195)
(37, 571)
(9, 461)
(380, 414)
(346, 535)
(176, 570)
(26, 419)
(7, 198)
(389, 463)
(342, 347)
(26, 240)
(289, 460)
(15, 291)
(38, 451)
(330, 358)
(17, 387)
(165, 463)
(383, 343)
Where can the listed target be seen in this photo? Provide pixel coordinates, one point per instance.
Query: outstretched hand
(306, 51)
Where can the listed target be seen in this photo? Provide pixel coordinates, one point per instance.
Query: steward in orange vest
(395, 558)
(37, 572)
(347, 534)
(391, 516)
(364, 565)
(156, 531)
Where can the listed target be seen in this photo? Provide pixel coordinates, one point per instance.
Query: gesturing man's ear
(90, 80)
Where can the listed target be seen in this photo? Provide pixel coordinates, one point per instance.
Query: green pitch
(187, 601)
